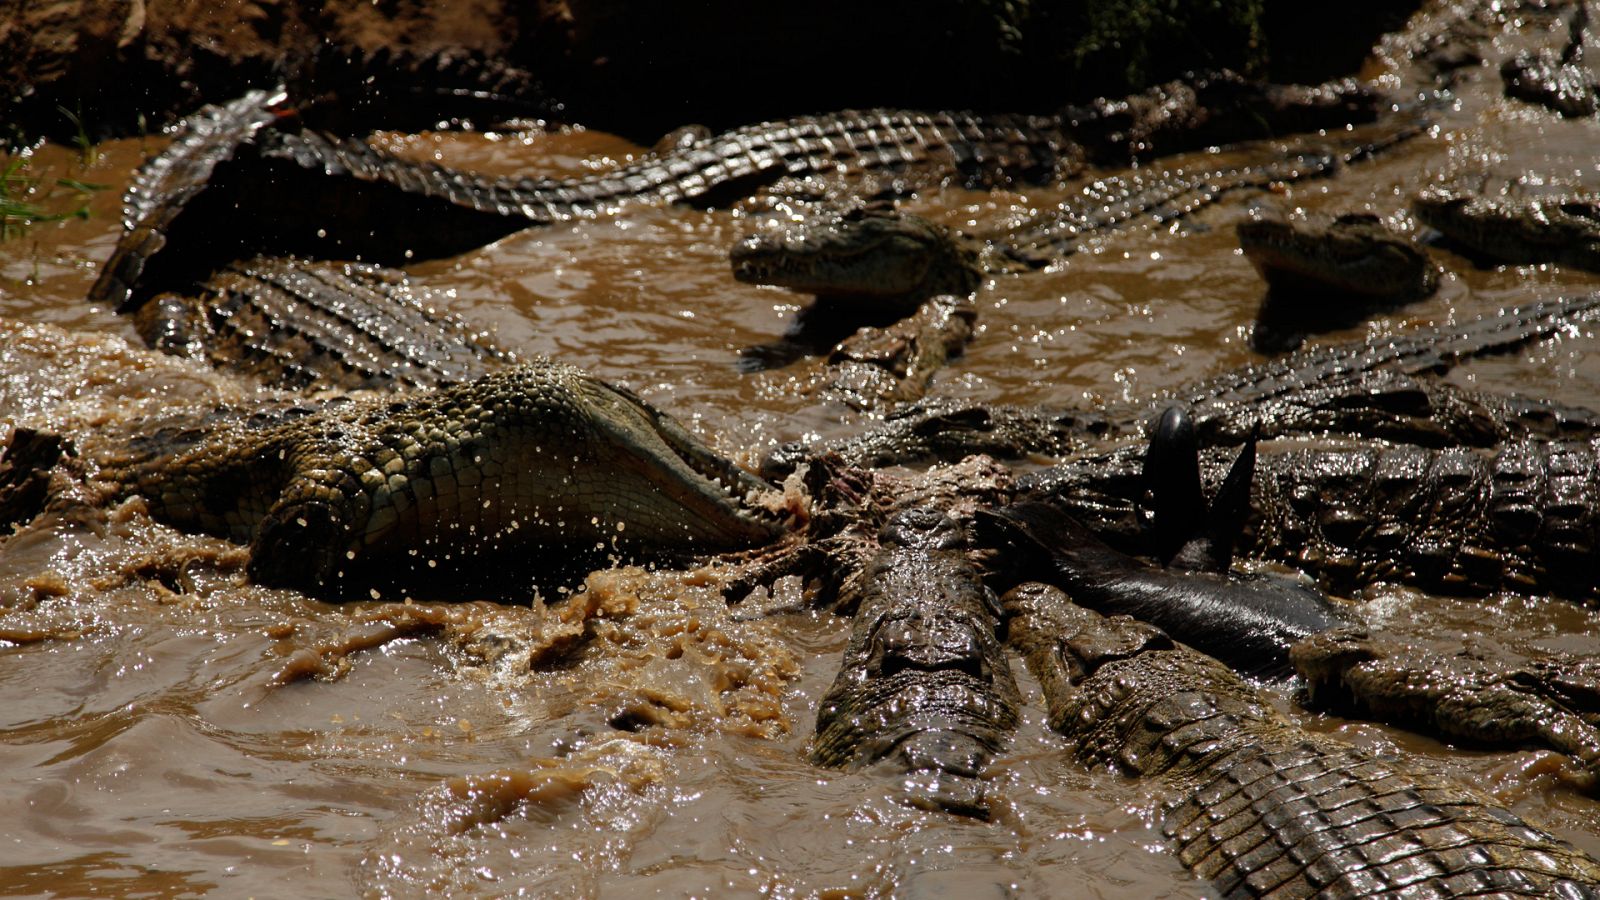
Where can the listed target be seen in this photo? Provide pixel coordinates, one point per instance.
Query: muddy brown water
(170, 730)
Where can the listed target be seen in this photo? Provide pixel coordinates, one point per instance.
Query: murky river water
(170, 730)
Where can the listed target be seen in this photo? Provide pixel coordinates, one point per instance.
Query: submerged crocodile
(1328, 272)
(1355, 253)
(540, 466)
(924, 689)
(1563, 230)
(301, 325)
(1256, 805)
(1558, 81)
(867, 263)
(255, 153)
(1162, 196)
(1364, 387)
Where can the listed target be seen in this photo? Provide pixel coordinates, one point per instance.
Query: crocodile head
(1118, 688)
(522, 477)
(1350, 254)
(1563, 228)
(697, 498)
(1073, 641)
(863, 252)
(1459, 213)
(1323, 659)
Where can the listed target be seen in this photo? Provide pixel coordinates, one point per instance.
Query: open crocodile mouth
(719, 499)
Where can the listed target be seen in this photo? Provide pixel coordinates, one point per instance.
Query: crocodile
(925, 690)
(1161, 196)
(1328, 272)
(1256, 805)
(1520, 517)
(863, 255)
(540, 466)
(304, 325)
(1557, 81)
(1562, 229)
(255, 153)
(1374, 387)
(297, 181)
(866, 263)
(1353, 253)
(1553, 702)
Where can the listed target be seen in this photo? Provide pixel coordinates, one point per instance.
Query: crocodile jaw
(712, 496)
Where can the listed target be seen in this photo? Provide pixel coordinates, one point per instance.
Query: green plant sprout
(22, 196)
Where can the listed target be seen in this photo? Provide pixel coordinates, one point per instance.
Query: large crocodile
(540, 465)
(1366, 387)
(1456, 520)
(1256, 805)
(319, 194)
(1559, 229)
(924, 689)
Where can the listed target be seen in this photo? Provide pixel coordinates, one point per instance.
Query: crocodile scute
(925, 689)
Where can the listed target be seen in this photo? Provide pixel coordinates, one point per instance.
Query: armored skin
(307, 325)
(925, 690)
(1352, 254)
(1373, 388)
(1552, 702)
(1558, 229)
(1256, 805)
(867, 264)
(538, 466)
